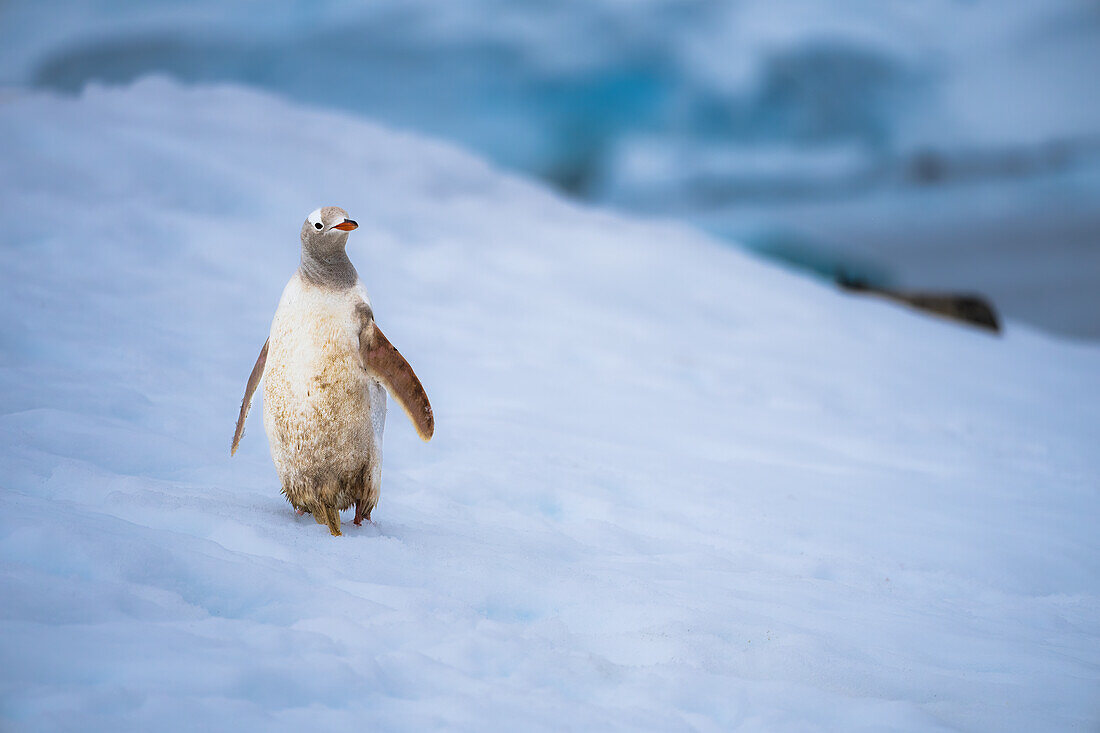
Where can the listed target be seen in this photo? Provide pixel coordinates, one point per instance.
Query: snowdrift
(671, 487)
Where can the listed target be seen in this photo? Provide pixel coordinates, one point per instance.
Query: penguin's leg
(332, 519)
(322, 503)
(372, 489)
(299, 509)
(362, 511)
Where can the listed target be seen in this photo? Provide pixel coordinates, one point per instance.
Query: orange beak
(346, 225)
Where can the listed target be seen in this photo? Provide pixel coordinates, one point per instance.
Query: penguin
(326, 369)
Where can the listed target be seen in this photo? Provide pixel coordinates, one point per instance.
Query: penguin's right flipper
(249, 390)
(386, 364)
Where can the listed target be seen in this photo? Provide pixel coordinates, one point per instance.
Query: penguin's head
(326, 230)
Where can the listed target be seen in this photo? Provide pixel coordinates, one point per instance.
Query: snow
(671, 488)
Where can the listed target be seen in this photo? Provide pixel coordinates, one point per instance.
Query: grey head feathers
(324, 261)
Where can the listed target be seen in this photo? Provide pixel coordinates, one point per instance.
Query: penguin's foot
(332, 519)
(299, 512)
(326, 515)
(362, 511)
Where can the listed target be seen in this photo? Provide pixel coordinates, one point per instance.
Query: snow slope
(671, 487)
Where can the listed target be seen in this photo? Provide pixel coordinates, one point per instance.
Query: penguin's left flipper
(249, 390)
(386, 364)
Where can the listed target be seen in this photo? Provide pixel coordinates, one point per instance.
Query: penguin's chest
(317, 397)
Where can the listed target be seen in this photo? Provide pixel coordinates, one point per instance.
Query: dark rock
(966, 307)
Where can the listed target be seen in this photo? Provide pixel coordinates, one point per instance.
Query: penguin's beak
(346, 225)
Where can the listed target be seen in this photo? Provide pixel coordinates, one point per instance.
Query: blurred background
(932, 144)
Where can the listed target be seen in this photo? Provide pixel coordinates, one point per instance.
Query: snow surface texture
(671, 487)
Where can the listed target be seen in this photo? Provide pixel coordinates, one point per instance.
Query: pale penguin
(326, 368)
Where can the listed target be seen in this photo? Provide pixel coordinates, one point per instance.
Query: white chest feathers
(323, 413)
(315, 331)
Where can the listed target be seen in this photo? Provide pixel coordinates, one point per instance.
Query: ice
(671, 487)
(549, 83)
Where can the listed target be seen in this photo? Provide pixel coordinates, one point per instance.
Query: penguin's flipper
(386, 364)
(249, 390)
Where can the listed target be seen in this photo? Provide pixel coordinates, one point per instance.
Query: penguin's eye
(318, 225)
